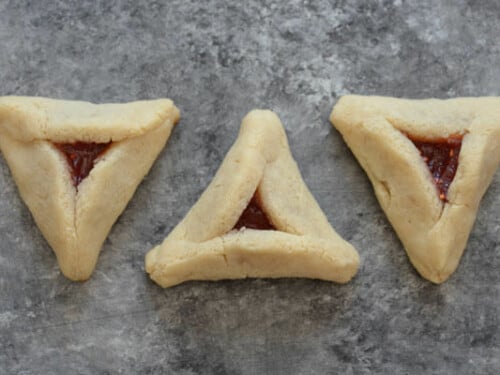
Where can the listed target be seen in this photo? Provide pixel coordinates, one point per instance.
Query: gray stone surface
(218, 59)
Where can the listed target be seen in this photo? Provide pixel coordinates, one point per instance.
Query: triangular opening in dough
(217, 240)
(254, 216)
(81, 157)
(430, 163)
(77, 165)
(441, 157)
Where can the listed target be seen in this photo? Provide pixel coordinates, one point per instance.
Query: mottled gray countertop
(217, 60)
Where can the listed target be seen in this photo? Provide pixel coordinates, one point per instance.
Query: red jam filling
(441, 156)
(81, 157)
(253, 217)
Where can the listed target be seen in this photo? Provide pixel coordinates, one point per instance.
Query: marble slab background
(217, 60)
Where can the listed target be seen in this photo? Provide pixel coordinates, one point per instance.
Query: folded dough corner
(257, 218)
(430, 163)
(77, 164)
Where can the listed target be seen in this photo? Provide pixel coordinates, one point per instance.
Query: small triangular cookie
(257, 218)
(77, 165)
(430, 162)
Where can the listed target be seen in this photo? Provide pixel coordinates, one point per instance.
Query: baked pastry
(256, 219)
(77, 165)
(430, 162)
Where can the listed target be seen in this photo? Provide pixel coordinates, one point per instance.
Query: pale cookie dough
(76, 221)
(434, 233)
(204, 245)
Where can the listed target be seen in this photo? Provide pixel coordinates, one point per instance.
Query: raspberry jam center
(253, 217)
(441, 157)
(81, 157)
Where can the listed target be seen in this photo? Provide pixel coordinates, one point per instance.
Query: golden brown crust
(76, 223)
(203, 246)
(375, 127)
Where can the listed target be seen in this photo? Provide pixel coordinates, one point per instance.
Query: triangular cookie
(214, 241)
(430, 162)
(77, 165)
